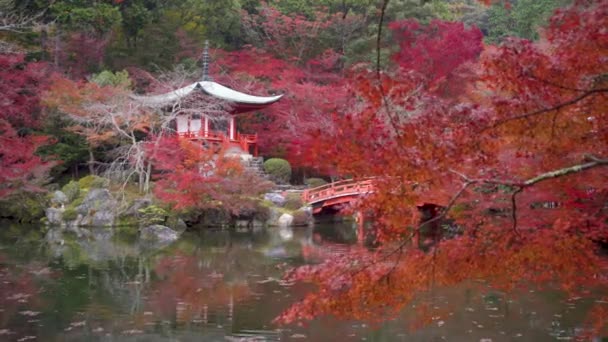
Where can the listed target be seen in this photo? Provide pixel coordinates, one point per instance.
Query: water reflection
(98, 285)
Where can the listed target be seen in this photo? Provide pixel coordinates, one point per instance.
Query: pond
(98, 285)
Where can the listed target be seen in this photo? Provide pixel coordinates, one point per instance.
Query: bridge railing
(336, 189)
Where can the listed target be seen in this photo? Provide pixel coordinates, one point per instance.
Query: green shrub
(93, 182)
(117, 79)
(24, 207)
(314, 182)
(71, 190)
(69, 214)
(278, 169)
(293, 201)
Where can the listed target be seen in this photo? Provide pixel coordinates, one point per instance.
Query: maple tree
(283, 127)
(21, 169)
(108, 118)
(516, 160)
(435, 50)
(192, 177)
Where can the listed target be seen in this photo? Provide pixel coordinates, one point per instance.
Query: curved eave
(241, 99)
(167, 98)
(241, 102)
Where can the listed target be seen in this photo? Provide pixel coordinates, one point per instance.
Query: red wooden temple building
(198, 127)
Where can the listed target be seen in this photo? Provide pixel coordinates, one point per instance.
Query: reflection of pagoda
(197, 128)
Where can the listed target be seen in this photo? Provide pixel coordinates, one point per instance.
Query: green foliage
(84, 16)
(405, 9)
(127, 221)
(25, 207)
(71, 190)
(78, 201)
(135, 17)
(118, 79)
(69, 214)
(70, 148)
(152, 215)
(293, 201)
(300, 7)
(529, 15)
(93, 182)
(522, 20)
(314, 182)
(278, 169)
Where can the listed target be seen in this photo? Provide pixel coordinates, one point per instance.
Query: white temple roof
(211, 88)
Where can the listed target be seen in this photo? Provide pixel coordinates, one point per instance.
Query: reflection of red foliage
(188, 289)
(20, 292)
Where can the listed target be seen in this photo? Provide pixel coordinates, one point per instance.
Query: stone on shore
(158, 233)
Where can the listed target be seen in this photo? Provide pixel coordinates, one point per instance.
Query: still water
(99, 285)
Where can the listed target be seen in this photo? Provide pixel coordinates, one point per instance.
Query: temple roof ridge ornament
(206, 59)
(240, 102)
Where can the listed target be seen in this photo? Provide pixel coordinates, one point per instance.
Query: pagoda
(197, 127)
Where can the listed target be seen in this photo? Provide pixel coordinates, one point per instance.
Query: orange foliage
(98, 112)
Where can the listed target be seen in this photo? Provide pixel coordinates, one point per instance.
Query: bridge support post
(360, 219)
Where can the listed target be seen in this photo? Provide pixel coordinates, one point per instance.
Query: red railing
(244, 141)
(219, 136)
(338, 189)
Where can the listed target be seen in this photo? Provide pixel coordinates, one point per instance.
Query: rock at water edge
(285, 220)
(158, 233)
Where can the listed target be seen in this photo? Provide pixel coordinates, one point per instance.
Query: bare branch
(565, 171)
(13, 21)
(379, 36)
(552, 108)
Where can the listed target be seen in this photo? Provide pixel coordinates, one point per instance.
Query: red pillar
(232, 130)
(206, 127)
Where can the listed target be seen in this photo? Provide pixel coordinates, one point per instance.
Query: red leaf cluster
(192, 177)
(20, 86)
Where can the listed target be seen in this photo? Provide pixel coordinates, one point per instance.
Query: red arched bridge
(336, 193)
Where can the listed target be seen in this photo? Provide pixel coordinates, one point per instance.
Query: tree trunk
(141, 182)
(148, 176)
(91, 162)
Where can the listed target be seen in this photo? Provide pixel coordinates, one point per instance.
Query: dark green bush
(278, 169)
(314, 182)
(24, 207)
